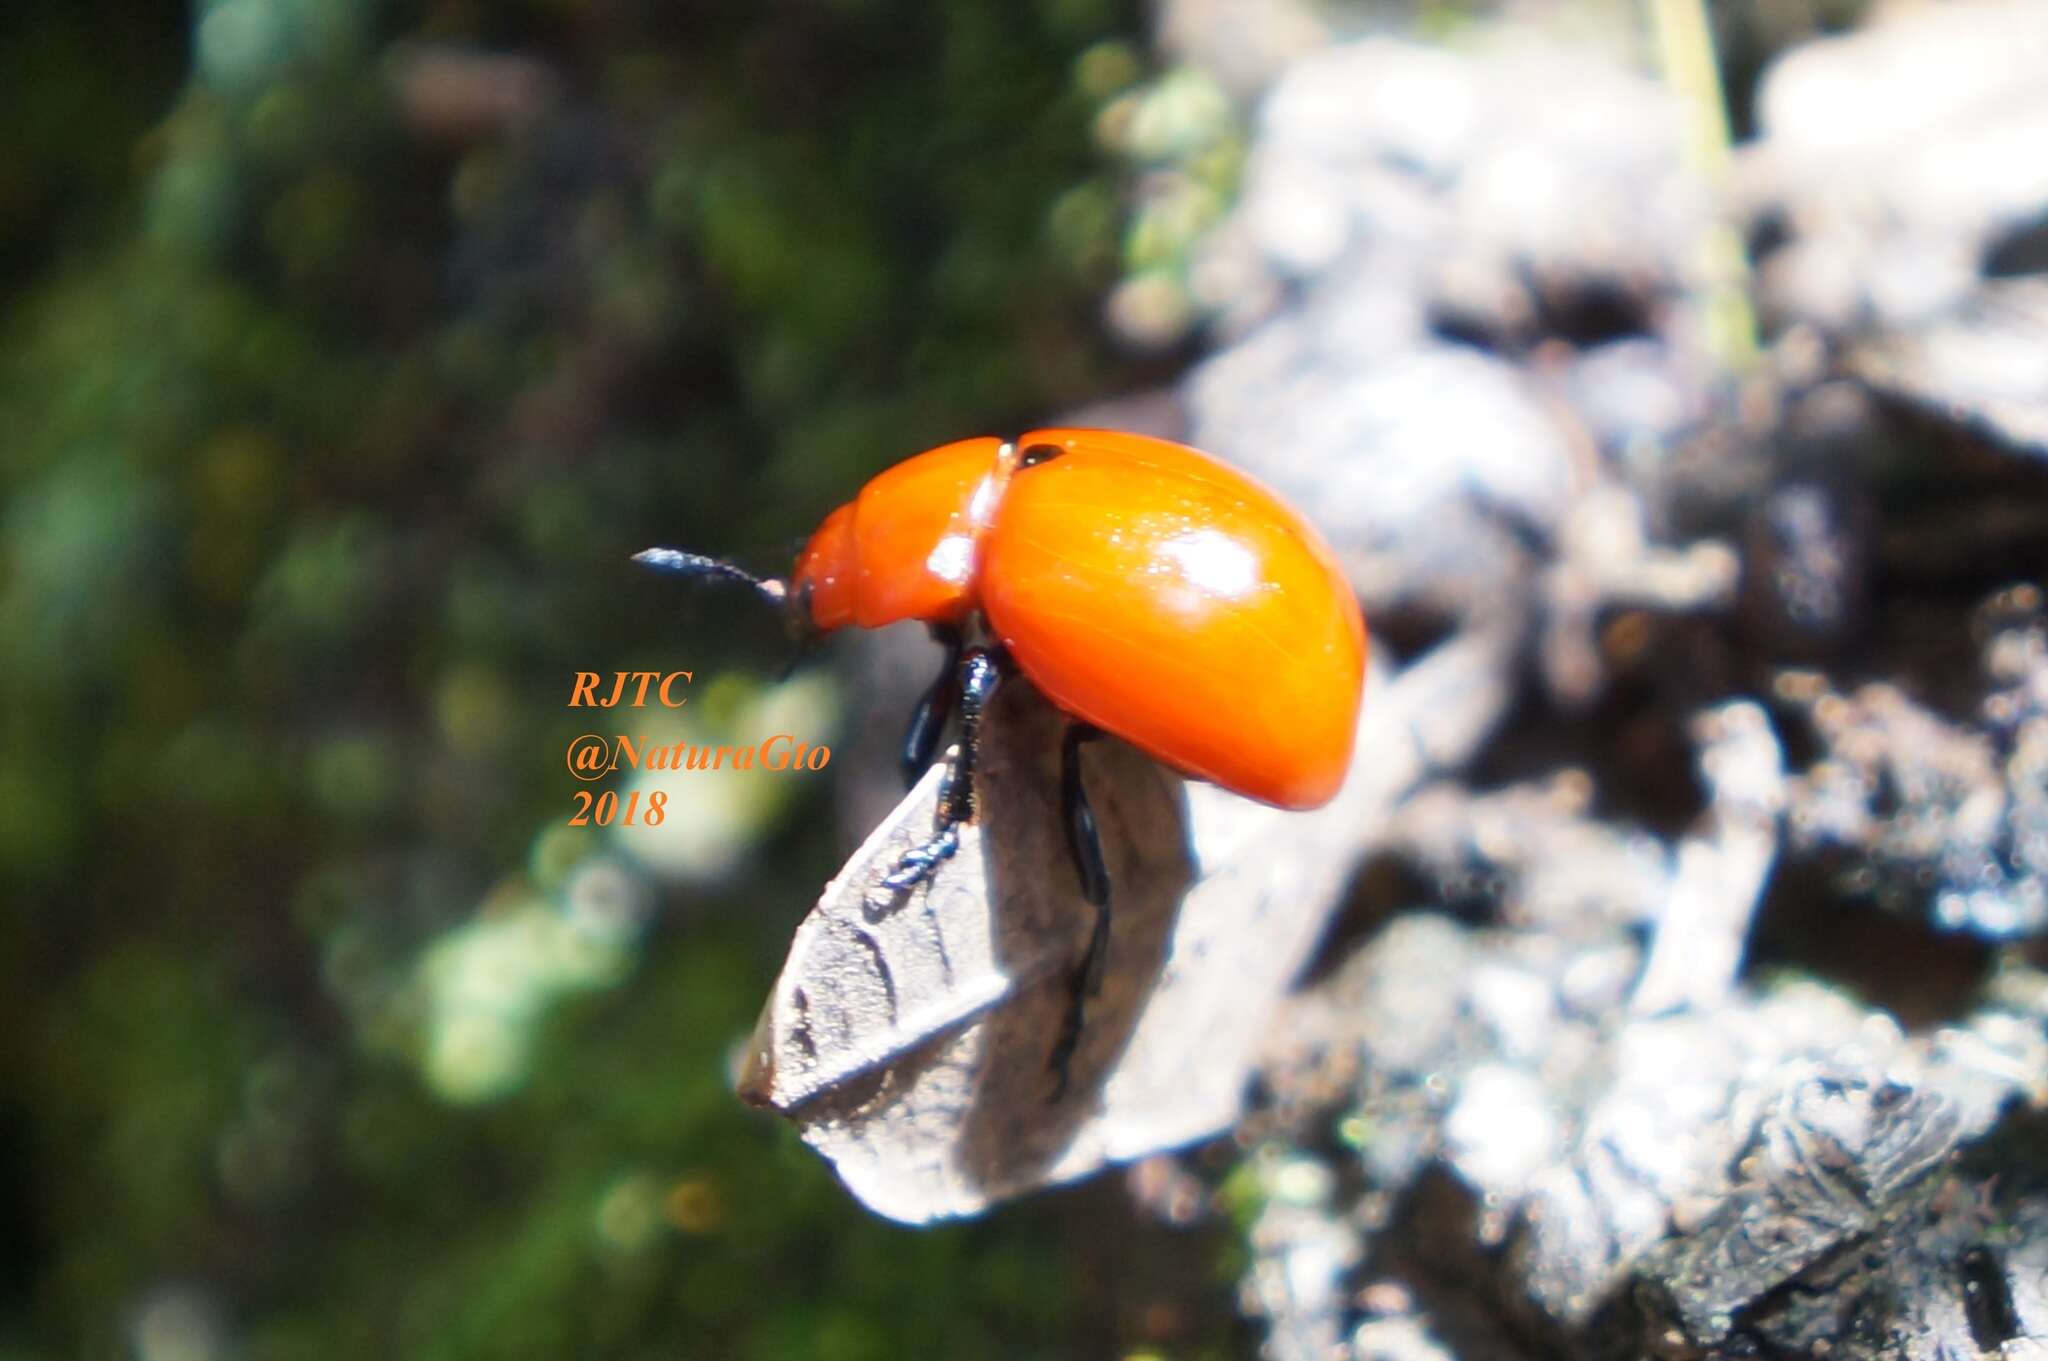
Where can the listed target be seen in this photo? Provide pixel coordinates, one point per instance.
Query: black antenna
(697, 565)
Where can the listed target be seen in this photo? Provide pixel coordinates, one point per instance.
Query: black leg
(979, 676)
(928, 720)
(1084, 843)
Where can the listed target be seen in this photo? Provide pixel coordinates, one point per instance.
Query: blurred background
(349, 349)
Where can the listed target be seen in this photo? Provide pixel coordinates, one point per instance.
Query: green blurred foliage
(351, 349)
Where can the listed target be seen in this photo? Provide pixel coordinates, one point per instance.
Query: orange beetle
(1142, 586)
(1145, 588)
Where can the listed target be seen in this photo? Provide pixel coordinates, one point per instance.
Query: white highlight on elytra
(1213, 562)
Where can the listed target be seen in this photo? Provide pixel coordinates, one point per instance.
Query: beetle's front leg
(979, 676)
(928, 720)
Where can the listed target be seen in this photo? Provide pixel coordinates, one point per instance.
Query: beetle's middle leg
(979, 675)
(1084, 843)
